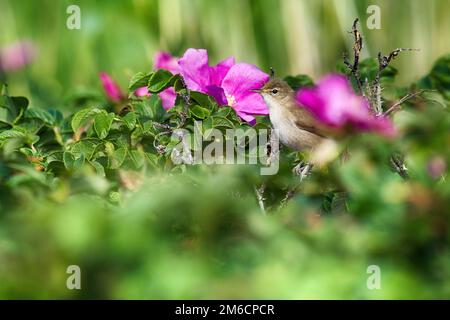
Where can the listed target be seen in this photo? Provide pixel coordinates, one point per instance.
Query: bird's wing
(305, 121)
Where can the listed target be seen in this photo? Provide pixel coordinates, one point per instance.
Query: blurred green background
(201, 234)
(293, 36)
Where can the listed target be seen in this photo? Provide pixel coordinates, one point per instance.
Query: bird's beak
(256, 90)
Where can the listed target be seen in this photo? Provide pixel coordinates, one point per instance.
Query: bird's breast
(289, 133)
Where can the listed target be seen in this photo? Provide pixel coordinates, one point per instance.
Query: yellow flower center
(230, 99)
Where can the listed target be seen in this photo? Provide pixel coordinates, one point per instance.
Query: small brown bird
(296, 127)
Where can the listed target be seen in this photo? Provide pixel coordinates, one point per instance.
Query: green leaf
(20, 102)
(139, 80)
(159, 80)
(7, 134)
(154, 105)
(199, 112)
(98, 168)
(19, 133)
(439, 77)
(138, 158)
(40, 114)
(12, 108)
(27, 152)
(223, 111)
(83, 117)
(71, 162)
(102, 123)
(202, 99)
(117, 157)
(85, 147)
(142, 108)
(56, 167)
(130, 120)
(299, 81)
(222, 122)
(179, 85)
(152, 159)
(150, 108)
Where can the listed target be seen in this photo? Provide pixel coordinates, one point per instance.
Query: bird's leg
(303, 170)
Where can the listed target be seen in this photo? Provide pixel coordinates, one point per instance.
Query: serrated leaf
(71, 162)
(159, 80)
(155, 108)
(82, 117)
(40, 114)
(222, 122)
(199, 112)
(137, 157)
(102, 123)
(12, 108)
(152, 159)
(202, 99)
(130, 120)
(85, 147)
(99, 169)
(139, 80)
(56, 167)
(223, 111)
(117, 157)
(13, 133)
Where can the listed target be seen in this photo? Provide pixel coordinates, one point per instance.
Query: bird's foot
(303, 170)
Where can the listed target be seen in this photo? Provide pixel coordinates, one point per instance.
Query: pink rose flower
(163, 60)
(334, 103)
(17, 55)
(111, 88)
(238, 86)
(229, 83)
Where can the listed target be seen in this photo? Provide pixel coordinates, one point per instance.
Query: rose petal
(168, 98)
(140, 92)
(219, 71)
(17, 56)
(164, 60)
(247, 117)
(217, 93)
(251, 104)
(241, 79)
(111, 88)
(384, 126)
(195, 69)
(334, 103)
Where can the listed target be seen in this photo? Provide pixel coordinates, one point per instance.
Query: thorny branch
(383, 63)
(373, 90)
(187, 103)
(357, 47)
(183, 116)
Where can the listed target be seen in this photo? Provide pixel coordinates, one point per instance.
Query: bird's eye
(274, 91)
